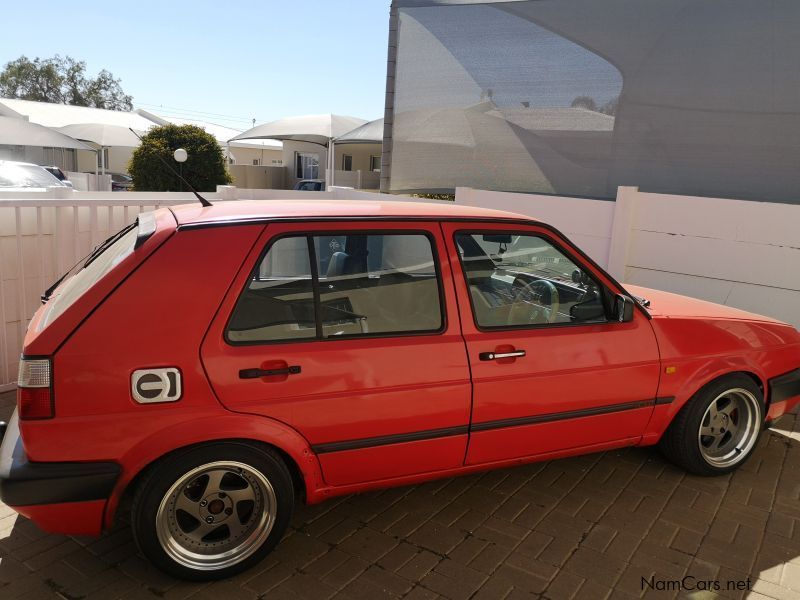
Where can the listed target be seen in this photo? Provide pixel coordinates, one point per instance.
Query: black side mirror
(623, 308)
(588, 311)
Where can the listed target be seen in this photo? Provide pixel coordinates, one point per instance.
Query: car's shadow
(623, 520)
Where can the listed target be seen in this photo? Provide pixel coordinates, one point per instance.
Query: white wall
(733, 252)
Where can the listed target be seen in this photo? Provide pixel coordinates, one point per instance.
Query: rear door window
(340, 285)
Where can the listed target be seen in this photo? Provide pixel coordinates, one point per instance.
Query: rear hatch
(67, 302)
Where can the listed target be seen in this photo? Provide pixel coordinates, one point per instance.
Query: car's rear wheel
(212, 511)
(718, 428)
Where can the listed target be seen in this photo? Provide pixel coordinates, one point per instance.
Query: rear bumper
(44, 490)
(784, 394)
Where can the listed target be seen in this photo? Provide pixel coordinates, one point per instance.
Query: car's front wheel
(212, 511)
(718, 428)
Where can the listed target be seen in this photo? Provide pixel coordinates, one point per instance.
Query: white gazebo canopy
(19, 132)
(368, 133)
(102, 134)
(314, 129)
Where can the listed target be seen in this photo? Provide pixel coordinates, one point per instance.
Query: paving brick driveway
(587, 527)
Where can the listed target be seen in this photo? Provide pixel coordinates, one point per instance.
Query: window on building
(63, 158)
(347, 162)
(306, 165)
(375, 163)
(256, 162)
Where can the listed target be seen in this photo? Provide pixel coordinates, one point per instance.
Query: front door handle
(256, 373)
(497, 355)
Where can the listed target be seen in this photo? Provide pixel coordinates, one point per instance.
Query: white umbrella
(315, 129)
(19, 132)
(104, 136)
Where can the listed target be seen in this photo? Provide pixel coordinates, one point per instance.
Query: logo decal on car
(156, 385)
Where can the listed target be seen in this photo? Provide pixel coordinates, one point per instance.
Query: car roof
(261, 210)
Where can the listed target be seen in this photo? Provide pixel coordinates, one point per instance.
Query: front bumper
(25, 483)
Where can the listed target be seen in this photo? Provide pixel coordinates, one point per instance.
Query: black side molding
(784, 386)
(399, 438)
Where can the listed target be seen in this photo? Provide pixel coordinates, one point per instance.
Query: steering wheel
(533, 300)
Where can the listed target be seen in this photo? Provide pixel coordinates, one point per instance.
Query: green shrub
(204, 169)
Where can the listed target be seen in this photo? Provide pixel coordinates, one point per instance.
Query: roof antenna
(202, 200)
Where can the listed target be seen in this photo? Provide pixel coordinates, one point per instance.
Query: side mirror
(623, 308)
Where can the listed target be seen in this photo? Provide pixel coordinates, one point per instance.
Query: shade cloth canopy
(684, 97)
(102, 134)
(19, 132)
(368, 133)
(316, 129)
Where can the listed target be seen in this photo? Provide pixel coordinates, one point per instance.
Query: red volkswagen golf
(214, 364)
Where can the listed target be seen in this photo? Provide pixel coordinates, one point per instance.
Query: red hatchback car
(213, 364)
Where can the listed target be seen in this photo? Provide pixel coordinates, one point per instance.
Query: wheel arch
(262, 432)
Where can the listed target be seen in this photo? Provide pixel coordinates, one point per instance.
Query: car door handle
(496, 355)
(256, 373)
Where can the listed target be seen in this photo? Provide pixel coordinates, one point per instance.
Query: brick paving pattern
(587, 527)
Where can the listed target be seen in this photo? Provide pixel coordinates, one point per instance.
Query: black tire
(682, 443)
(152, 523)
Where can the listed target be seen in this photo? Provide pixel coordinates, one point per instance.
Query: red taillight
(34, 390)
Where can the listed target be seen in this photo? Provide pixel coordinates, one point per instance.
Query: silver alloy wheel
(729, 428)
(216, 515)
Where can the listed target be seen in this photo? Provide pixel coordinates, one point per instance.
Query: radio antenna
(202, 200)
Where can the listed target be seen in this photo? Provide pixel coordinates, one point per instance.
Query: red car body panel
(425, 404)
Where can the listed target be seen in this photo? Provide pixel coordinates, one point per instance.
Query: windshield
(89, 271)
(15, 175)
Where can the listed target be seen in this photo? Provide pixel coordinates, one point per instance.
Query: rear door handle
(256, 373)
(496, 355)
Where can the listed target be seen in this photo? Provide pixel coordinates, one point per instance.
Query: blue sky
(240, 60)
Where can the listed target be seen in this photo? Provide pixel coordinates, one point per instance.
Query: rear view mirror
(623, 308)
(497, 238)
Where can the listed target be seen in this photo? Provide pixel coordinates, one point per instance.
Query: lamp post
(180, 155)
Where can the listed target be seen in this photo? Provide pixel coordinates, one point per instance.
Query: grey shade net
(578, 97)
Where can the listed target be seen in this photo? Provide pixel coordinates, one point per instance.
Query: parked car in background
(22, 176)
(120, 182)
(59, 174)
(313, 349)
(310, 185)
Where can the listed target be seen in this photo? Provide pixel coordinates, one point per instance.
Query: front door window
(524, 281)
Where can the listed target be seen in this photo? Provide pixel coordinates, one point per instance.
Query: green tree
(62, 80)
(204, 169)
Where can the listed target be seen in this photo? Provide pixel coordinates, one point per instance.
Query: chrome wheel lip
(248, 546)
(748, 427)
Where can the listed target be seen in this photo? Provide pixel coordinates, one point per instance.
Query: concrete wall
(118, 158)
(359, 180)
(245, 155)
(733, 252)
(253, 177)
